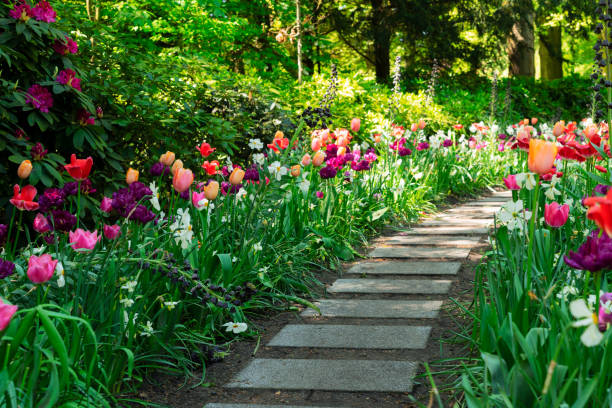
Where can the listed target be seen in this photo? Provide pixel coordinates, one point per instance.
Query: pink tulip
(106, 204)
(555, 214)
(41, 224)
(41, 268)
(414, 127)
(355, 124)
(111, 231)
(6, 314)
(81, 239)
(511, 183)
(196, 198)
(182, 180)
(320, 194)
(306, 160)
(315, 144)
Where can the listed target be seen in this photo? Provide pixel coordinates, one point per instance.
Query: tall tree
(521, 40)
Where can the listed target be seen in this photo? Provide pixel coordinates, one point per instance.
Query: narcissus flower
(542, 156)
(555, 214)
(167, 158)
(586, 317)
(131, 176)
(79, 169)
(205, 149)
(83, 240)
(23, 199)
(24, 169)
(41, 268)
(6, 314)
(600, 211)
(235, 327)
(182, 180)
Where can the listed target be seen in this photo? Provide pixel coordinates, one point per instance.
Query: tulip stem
(17, 233)
(532, 227)
(78, 215)
(597, 279)
(8, 237)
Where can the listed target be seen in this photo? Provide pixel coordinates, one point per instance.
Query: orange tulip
(296, 170)
(236, 177)
(167, 158)
(422, 124)
(24, 170)
(377, 138)
(591, 131)
(318, 158)
(131, 176)
(211, 190)
(306, 160)
(177, 165)
(542, 155)
(525, 121)
(279, 134)
(559, 128)
(534, 121)
(182, 180)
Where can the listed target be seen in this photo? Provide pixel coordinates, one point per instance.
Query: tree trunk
(382, 41)
(551, 56)
(520, 47)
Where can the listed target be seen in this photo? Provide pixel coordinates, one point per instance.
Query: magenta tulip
(555, 214)
(41, 224)
(106, 204)
(355, 124)
(511, 183)
(81, 239)
(196, 197)
(41, 268)
(111, 231)
(6, 314)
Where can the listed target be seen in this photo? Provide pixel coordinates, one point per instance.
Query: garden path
(387, 304)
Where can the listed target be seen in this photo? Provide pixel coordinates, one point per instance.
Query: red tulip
(24, 199)
(205, 149)
(211, 168)
(555, 214)
(600, 211)
(79, 169)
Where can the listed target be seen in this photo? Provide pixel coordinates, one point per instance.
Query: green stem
(78, 203)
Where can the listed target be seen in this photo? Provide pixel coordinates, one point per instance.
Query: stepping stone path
(423, 262)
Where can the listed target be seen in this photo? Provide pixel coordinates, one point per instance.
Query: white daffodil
(127, 302)
(147, 330)
(276, 170)
(566, 291)
(257, 247)
(154, 200)
(513, 215)
(170, 305)
(255, 144)
(182, 229)
(586, 317)
(59, 269)
(304, 186)
(510, 130)
(129, 286)
(205, 204)
(259, 158)
(235, 327)
(241, 193)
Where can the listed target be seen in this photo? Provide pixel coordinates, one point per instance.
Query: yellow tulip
(236, 177)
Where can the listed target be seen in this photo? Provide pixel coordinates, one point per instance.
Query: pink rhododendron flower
(67, 46)
(41, 268)
(511, 183)
(85, 118)
(21, 11)
(6, 314)
(112, 231)
(44, 12)
(39, 97)
(41, 224)
(81, 239)
(556, 215)
(68, 77)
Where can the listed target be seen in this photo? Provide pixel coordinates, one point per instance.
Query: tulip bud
(211, 190)
(414, 127)
(178, 164)
(318, 158)
(167, 158)
(355, 124)
(306, 160)
(131, 176)
(236, 177)
(24, 170)
(422, 124)
(296, 170)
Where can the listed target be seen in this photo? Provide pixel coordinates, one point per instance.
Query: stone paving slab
(457, 241)
(352, 336)
(406, 268)
(456, 222)
(472, 210)
(391, 286)
(497, 194)
(327, 375)
(420, 252)
(217, 405)
(485, 203)
(450, 230)
(377, 309)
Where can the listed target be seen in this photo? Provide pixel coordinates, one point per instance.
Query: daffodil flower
(586, 317)
(235, 327)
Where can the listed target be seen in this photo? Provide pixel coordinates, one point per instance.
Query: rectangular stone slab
(406, 268)
(450, 230)
(420, 252)
(453, 221)
(352, 336)
(485, 203)
(394, 286)
(377, 309)
(454, 241)
(472, 210)
(219, 405)
(327, 375)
